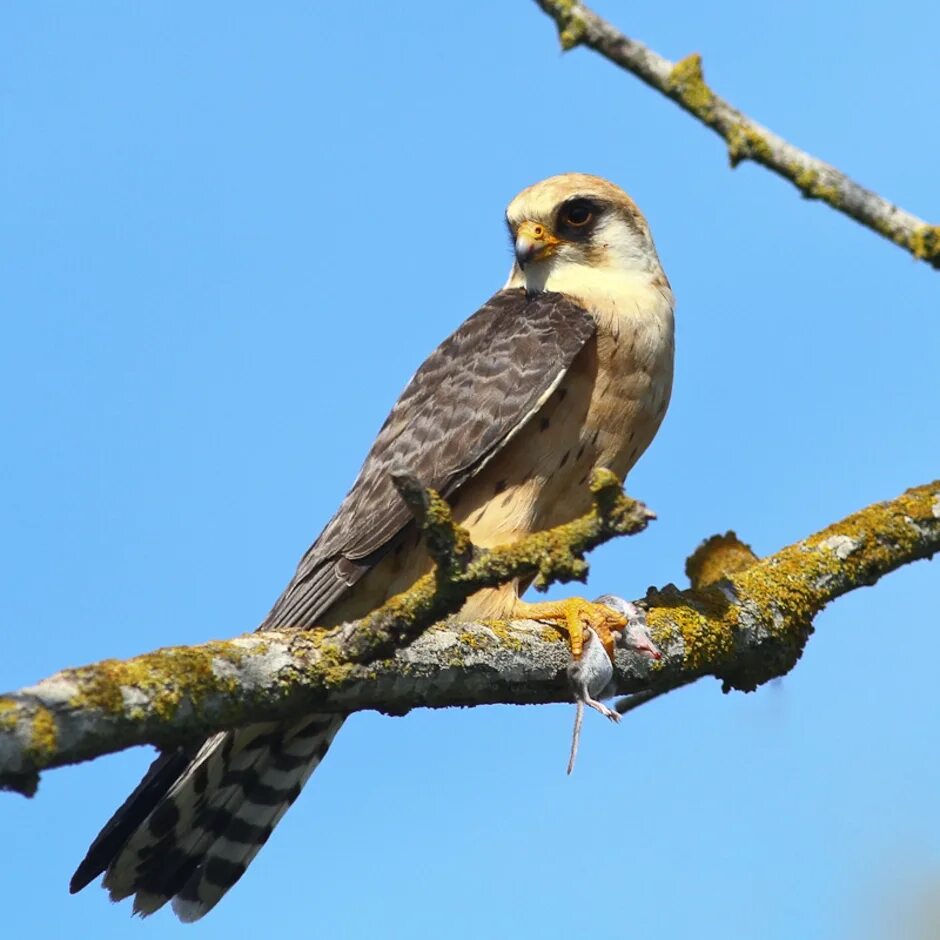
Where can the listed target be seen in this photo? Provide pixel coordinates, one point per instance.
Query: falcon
(568, 368)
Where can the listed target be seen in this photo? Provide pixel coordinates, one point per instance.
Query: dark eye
(578, 213)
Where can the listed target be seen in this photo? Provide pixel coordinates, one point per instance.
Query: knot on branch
(815, 183)
(686, 84)
(617, 513)
(745, 142)
(447, 543)
(925, 244)
(718, 557)
(559, 562)
(571, 26)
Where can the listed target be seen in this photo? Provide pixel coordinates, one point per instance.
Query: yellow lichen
(43, 734)
(925, 243)
(704, 620)
(542, 557)
(166, 677)
(746, 143)
(571, 28)
(717, 558)
(507, 638)
(9, 714)
(333, 669)
(552, 635)
(476, 641)
(687, 83)
(784, 593)
(809, 182)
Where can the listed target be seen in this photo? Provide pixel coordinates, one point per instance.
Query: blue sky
(229, 234)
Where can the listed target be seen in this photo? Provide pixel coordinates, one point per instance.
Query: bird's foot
(575, 615)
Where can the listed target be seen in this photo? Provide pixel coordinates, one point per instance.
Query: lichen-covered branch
(752, 625)
(684, 83)
(462, 569)
(174, 694)
(746, 622)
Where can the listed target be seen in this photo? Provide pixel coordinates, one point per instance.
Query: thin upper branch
(684, 83)
(745, 628)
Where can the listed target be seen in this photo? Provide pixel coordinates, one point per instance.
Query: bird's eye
(578, 214)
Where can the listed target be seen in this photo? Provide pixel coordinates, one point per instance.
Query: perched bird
(567, 368)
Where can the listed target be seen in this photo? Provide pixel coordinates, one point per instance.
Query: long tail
(196, 821)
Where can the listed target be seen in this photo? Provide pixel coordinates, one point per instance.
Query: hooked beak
(534, 242)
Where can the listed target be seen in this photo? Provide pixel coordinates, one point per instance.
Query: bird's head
(574, 226)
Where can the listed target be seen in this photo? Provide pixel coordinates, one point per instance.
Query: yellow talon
(574, 615)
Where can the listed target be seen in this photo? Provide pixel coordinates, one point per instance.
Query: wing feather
(468, 399)
(475, 391)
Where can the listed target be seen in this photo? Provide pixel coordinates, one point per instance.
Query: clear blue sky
(230, 232)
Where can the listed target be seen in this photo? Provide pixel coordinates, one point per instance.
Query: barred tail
(193, 842)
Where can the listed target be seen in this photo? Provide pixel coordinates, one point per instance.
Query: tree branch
(684, 83)
(187, 692)
(746, 627)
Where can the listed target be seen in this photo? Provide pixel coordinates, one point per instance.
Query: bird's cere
(534, 242)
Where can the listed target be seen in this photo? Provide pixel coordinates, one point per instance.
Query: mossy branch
(463, 569)
(685, 84)
(181, 693)
(746, 622)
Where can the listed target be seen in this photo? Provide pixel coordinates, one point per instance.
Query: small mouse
(590, 676)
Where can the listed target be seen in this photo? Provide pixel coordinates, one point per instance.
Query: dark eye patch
(577, 218)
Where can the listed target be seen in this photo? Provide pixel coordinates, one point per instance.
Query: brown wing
(475, 391)
(471, 395)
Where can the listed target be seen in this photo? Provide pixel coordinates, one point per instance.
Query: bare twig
(684, 83)
(745, 629)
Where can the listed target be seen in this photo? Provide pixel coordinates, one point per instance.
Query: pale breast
(635, 350)
(604, 413)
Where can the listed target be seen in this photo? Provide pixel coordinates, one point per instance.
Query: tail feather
(245, 832)
(131, 814)
(197, 841)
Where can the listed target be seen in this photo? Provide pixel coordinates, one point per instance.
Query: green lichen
(686, 83)
(746, 143)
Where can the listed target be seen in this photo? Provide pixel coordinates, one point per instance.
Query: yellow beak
(534, 242)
